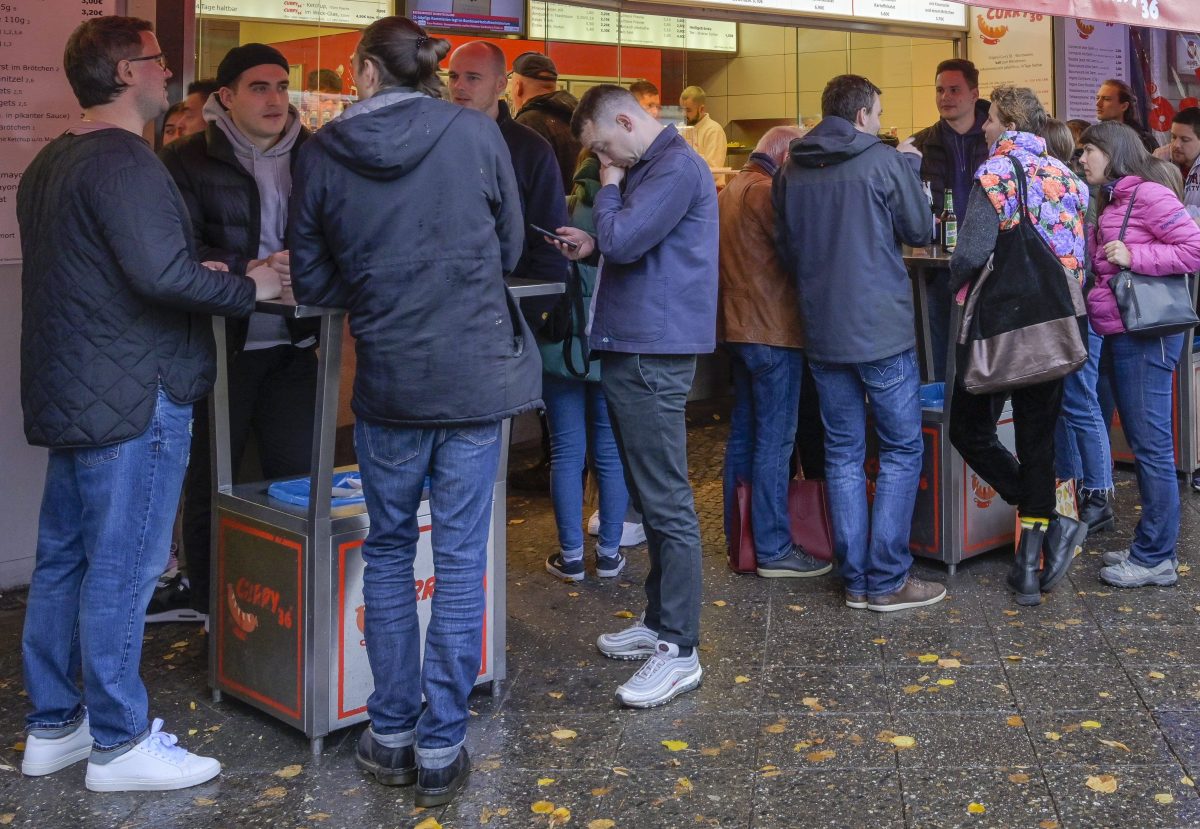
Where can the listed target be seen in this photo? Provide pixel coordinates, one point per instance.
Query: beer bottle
(948, 223)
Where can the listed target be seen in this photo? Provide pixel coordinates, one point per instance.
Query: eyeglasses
(160, 59)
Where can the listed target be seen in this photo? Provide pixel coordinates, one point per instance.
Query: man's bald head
(482, 50)
(477, 77)
(776, 141)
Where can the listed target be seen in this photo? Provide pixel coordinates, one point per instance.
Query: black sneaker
(797, 564)
(390, 766)
(172, 601)
(437, 787)
(609, 567)
(565, 570)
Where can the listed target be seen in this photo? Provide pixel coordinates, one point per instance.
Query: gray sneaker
(1129, 573)
(797, 564)
(1114, 557)
(634, 642)
(665, 676)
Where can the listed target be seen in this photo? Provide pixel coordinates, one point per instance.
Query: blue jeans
(874, 560)
(103, 539)
(578, 416)
(461, 463)
(1141, 373)
(762, 436)
(1081, 446)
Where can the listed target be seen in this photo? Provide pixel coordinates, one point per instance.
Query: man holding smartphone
(654, 310)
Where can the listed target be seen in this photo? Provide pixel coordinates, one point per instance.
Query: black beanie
(247, 56)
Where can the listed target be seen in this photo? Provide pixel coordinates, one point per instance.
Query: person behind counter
(951, 150)
(655, 310)
(116, 345)
(1161, 240)
(707, 137)
(758, 322)
(1115, 101)
(857, 307)
(1015, 121)
(370, 220)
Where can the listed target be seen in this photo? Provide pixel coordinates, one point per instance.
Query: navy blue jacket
(844, 203)
(657, 292)
(405, 211)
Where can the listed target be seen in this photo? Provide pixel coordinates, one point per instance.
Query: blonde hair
(1020, 106)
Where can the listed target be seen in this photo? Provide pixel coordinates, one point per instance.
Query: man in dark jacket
(844, 202)
(236, 179)
(477, 82)
(540, 105)
(116, 345)
(951, 151)
(655, 309)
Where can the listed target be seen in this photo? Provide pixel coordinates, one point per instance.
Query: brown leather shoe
(914, 593)
(857, 601)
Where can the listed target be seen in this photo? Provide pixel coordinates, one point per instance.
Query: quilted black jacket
(222, 199)
(113, 299)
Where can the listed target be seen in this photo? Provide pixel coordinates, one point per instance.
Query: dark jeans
(810, 431)
(646, 395)
(272, 392)
(1027, 484)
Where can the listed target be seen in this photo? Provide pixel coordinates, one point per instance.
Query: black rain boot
(1096, 510)
(1023, 577)
(1063, 542)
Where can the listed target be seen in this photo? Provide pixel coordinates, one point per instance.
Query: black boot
(1096, 511)
(1063, 541)
(1023, 577)
(437, 787)
(390, 766)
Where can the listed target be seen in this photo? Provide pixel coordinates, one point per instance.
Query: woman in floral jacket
(1057, 202)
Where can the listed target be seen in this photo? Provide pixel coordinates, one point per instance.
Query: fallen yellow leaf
(797, 608)
(949, 663)
(554, 694)
(710, 751)
(879, 641)
(1089, 724)
(1013, 657)
(945, 683)
(1103, 783)
(1115, 744)
(515, 521)
(720, 603)
(683, 786)
(927, 657)
(545, 781)
(976, 808)
(192, 706)
(623, 614)
(1011, 612)
(1187, 781)
(541, 807)
(288, 772)
(428, 823)
(192, 732)
(620, 771)
(1018, 778)
(600, 823)
(563, 734)
(776, 728)
(912, 689)
(901, 741)
(1156, 675)
(741, 680)
(275, 792)
(674, 745)
(813, 703)
(560, 816)
(1015, 721)
(1052, 735)
(1164, 798)
(820, 756)
(1048, 823)
(199, 801)
(601, 792)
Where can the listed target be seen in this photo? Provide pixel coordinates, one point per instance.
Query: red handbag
(808, 522)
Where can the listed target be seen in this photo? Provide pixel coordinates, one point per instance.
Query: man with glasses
(115, 347)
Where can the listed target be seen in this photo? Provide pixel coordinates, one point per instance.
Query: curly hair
(1019, 106)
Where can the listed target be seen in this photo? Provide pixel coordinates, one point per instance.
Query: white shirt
(709, 141)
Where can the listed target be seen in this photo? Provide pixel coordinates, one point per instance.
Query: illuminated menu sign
(925, 12)
(566, 23)
(350, 12)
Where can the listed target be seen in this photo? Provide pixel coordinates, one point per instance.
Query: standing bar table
(286, 608)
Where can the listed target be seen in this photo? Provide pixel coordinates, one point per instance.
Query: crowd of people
(420, 184)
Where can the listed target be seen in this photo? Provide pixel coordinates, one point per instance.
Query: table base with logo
(286, 613)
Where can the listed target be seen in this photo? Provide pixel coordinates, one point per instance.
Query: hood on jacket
(832, 141)
(215, 113)
(560, 104)
(587, 181)
(387, 135)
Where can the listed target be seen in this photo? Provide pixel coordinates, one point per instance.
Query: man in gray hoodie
(236, 179)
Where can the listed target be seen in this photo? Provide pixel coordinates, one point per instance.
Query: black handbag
(1021, 322)
(566, 322)
(1153, 306)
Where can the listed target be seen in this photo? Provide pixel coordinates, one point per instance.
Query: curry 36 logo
(984, 494)
(989, 34)
(1085, 29)
(260, 597)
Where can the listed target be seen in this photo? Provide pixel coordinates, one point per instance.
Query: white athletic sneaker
(634, 642)
(46, 755)
(665, 676)
(155, 764)
(631, 534)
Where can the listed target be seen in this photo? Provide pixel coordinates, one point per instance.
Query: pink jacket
(1163, 240)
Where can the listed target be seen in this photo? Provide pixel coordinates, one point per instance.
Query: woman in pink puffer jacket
(1161, 240)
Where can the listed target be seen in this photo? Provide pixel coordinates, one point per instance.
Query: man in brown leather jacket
(758, 320)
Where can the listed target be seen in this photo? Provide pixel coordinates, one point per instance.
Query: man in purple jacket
(654, 310)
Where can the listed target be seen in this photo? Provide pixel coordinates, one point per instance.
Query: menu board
(1092, 53)
(927, 12)
(1014, 48)
(36, 102)
(566, 23)
(352, 12)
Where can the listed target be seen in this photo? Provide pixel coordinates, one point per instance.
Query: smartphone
(563, 239)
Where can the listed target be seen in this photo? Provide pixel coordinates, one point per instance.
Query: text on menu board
(588, 25)
(352, 12)
(930, 12)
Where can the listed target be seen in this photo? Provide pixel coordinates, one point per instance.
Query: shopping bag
(808, 517)
(740, 543)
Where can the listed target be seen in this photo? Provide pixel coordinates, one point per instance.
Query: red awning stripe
(1181, 15)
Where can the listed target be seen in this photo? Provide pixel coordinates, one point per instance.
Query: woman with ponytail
(405, 211)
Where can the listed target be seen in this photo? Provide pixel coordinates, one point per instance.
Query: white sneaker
(46, 755)
(155, 764)
(631, 534)
(665, 676)
(634, 642)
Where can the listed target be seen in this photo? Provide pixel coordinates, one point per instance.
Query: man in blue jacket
(844, 201)
(655, 309)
